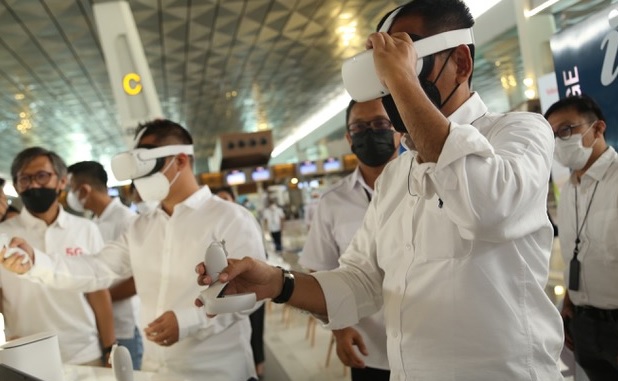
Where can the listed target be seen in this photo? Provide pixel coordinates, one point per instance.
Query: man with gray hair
(83, 322)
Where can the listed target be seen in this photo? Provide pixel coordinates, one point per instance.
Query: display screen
(113, 192)
(332, 164)
(307, 167)
(260, 174)
(236, 177)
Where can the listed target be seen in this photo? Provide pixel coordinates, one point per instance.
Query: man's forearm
(101, 304)
(124, 290)
(308, 295)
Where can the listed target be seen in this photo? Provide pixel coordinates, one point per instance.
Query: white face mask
(571, 152)
(75, 203)
(146, 207)
(156, 186)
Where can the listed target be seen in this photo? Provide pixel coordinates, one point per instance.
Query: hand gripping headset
(359, 74)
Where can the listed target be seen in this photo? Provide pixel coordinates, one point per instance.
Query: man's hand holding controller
(242, 276)
(15, 254)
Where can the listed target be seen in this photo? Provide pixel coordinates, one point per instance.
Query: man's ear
(599, 128)
(463, 59)
(62, 182)
(348, 137)
(84, 190)
(182, 161)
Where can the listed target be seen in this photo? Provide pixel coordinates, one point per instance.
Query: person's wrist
(287, 287)
(107, 350)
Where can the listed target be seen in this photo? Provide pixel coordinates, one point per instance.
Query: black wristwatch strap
(288, 287)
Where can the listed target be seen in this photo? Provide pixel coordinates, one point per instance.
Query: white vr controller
(4, 244)
(215, 302)
(359, 73)
(121, 362)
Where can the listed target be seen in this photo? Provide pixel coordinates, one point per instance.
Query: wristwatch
(288, 287)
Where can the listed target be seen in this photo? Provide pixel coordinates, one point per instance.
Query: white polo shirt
(161, 252)
(338, 217)
(273, 215)
(114, 221)
(31, 308)
(457, 253)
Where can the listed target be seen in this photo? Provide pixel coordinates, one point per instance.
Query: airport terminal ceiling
(218, 66)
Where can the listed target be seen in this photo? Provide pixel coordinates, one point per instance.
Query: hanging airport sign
(586, 61)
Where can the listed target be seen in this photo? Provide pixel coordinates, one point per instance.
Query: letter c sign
(131, 84)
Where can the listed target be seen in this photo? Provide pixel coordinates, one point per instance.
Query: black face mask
(429, 88)
(38, 200)
(373, 148)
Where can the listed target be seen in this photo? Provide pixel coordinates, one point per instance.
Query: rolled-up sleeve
(489, 183)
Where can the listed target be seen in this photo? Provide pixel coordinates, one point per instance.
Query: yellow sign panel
(131, 84)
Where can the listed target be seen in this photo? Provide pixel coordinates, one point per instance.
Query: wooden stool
(310, 332)
(331, 344)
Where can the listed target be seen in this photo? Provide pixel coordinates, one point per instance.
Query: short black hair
(438, 15)
(164, 130)
(582, 104)
(27, 155)
(91, 173)
(348, 111)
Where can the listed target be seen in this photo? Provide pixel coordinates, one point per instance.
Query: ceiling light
(558, 290)
(539, 8)
(19, 96)
(345, 16)
(530, 93)
(528, 82)
(478, 7)
(294, 180)
(332, 108)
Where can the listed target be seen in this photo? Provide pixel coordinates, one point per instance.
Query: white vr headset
(141, 162)
(359, 74)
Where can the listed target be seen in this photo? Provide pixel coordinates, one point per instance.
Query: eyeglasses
(41, 178)
(565, 132)
(376, 125)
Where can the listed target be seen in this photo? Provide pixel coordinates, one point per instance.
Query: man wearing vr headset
(456, 242)
(160, 250)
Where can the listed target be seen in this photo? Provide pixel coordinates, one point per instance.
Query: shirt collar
(31, 221)
(198, 198)
(108, 209)
(469, 111)
(598, 169)
(356, 179)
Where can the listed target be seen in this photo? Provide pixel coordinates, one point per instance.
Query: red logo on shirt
(74, 251)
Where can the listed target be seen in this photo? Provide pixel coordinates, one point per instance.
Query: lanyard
(574, 265)
(367, 193)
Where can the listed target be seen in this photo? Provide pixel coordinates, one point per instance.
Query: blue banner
(586, 61)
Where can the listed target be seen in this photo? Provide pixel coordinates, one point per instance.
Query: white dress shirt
(112, 223)
(161, 252)
(457, 252)
(31, 308)
(338, 217)
(598, 249)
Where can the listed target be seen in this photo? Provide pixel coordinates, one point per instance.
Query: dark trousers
(595, 336)
(257, 334)
(370, 374)
(277, 240)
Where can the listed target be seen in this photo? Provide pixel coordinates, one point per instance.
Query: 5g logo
(131, 84)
